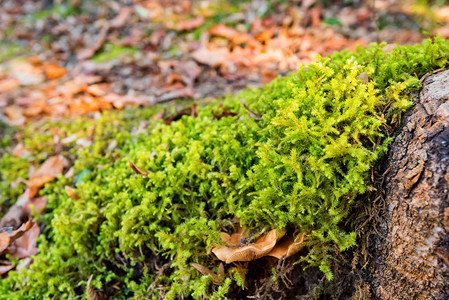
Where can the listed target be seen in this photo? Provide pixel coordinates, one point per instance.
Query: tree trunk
(411, 254)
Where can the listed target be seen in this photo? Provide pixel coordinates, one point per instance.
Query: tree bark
(411, 254)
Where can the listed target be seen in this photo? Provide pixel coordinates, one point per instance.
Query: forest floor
(70, 58)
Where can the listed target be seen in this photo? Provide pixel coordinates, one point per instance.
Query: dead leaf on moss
(26, 196)
(25, 245)
(71, 193)
(287, 246)
(48, 171)
(137, 170)
(261, 247)
(216, 278)
(14, 218)
(38, 204)
(93, 294)
(5, 269)
(8, 236)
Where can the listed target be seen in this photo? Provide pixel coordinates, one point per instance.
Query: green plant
(297, 154)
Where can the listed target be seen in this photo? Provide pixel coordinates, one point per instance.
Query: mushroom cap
(261, 247)
(287, 246)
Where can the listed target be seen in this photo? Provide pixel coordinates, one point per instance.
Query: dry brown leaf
(88, 52)
(5, 269)
(48, 171)
(26, 196)
(205, 271)
(122, 17)
(93, 294)
(25, 245)
(53, 71)
(190, 24)
(8, 84)
(8, 236)
(213, 58)
(14, 218)
(216, 279)
(224, 31)
(287, 246)
(15, 114)
(38, 204)
(261, 247)
(137, 170)
(19, 151)
(98, 90)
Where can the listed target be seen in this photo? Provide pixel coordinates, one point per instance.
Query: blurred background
(65, 58)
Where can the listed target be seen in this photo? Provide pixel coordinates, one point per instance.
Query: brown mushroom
(287, 246)
(261, 247)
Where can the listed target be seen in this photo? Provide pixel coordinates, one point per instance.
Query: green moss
(111, 51)
(303, 164)
(9, 50)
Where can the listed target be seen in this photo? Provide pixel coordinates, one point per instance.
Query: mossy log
(411, 252)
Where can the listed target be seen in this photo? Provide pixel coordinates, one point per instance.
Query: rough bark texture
(411, 258)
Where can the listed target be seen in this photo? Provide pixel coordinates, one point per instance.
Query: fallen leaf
(48, 171)
(213, 58)
(71, 193)
(8, 84)
(15, 114)
(93, 294)
(224, 31)
(204, 270)
(88, 52)
(122, 17)
(5, 269)
(14, 218)
(190, 24)
(137, 170)
(26, 196)
(25, 246)
(98, 89)
(8, 236)
(53, 71)
(38, 204)
(19, 151)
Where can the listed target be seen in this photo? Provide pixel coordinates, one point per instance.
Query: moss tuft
(302, 164)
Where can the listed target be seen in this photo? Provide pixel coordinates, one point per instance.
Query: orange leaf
(48, 171)
(8, 84)
(38, 182)
(71, 193)
(53, 71)
(190, 24)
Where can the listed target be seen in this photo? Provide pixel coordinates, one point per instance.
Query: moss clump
(302, 163)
